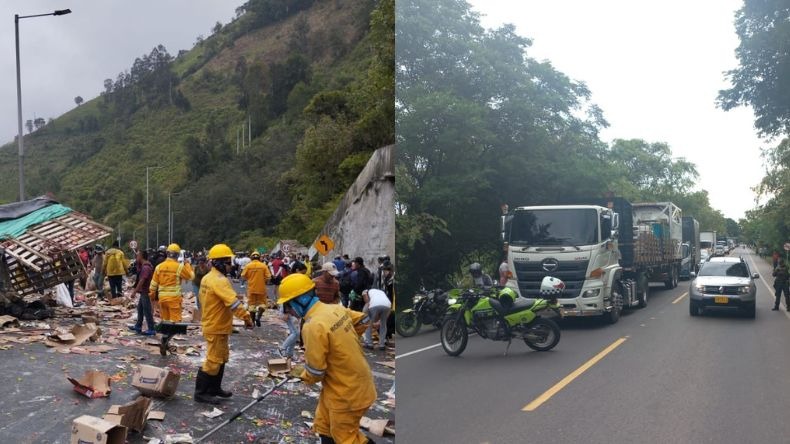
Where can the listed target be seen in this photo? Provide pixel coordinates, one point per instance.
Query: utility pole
(249, 131)
(146, 203)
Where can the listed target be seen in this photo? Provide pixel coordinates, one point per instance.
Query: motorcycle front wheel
(407, 324)
(454, 335)
(542, 334)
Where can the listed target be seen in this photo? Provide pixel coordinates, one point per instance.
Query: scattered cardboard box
(213, 413)
(156, 415)
(376, 426)
(8, 321)
(90, 429)
(155, 381)
(80, 333)
(132, 415)
(93, 384)
(179, 438)
(279, 367)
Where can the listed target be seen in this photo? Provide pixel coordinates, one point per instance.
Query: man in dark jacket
(144, 306)
(781, 285)
(361, 280)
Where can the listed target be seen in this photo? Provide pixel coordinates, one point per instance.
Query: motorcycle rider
(480, 279)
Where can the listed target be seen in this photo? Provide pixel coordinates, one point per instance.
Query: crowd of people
(326, 309)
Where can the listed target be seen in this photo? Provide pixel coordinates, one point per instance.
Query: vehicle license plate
(720, 299)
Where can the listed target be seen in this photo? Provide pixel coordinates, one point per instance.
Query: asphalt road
(667, 378)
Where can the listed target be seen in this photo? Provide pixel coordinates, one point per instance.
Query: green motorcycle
(502, 316)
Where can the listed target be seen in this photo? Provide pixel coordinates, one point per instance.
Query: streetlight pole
(170, 217)
(19, 96)
(146, 203)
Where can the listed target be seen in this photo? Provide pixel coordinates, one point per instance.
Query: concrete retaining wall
(364, 222)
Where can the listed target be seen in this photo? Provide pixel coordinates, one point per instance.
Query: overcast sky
(62, 57)
(655, 68)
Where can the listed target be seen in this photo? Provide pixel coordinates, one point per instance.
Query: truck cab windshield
(553, 227)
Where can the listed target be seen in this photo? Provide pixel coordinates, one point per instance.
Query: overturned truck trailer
(39, 240)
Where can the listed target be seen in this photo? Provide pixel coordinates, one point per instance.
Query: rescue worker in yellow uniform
(166, 284)
(257, 274)
(218, 304)
(333, 356)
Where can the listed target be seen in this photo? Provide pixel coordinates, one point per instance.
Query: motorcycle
(502, 316)
(428, 308)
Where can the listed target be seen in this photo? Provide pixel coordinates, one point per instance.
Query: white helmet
(551, 286)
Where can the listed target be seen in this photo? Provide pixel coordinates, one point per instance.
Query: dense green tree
(479, 124)
(762, 79)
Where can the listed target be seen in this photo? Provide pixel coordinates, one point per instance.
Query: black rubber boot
(258, 316)
(326, 439)
(203, 383)
(252, 316)
(216, 388)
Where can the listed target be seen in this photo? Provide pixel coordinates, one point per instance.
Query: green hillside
(312, 80)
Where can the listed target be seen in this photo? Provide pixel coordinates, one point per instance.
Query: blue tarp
(16, 227)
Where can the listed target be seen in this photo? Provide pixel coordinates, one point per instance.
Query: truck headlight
(591, 293)
(743, 290)
(699, 288)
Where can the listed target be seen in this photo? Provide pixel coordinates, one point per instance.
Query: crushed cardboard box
(156, 415)
(155, 381)
(80, 333)
(279, 367)
(93, 384)
(8, 321)
(90, 429)
(376, 426)
(179, 438)
(132, 415)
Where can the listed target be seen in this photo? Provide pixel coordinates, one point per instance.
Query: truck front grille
(530, 274)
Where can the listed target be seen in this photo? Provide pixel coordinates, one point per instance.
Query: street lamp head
(62, 12)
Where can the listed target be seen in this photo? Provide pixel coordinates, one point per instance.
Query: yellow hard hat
(173, 248)
(294, 285)
(255, 254)
(219, 251)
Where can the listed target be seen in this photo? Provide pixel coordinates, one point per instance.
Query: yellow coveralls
(257, 274)
(333, 355)
(166, 282)
(218, 305)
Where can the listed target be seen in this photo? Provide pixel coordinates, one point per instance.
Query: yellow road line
(680, 298)
(568, 379)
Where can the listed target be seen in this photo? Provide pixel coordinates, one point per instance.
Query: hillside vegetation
(310, 86)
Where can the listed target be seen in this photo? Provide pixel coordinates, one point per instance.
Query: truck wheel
(617, 306)
(672, 282)
(643, 295)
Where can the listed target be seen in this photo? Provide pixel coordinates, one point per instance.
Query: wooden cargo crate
(45, 255)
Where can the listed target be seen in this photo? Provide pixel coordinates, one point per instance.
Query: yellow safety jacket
(115, 263)
(167, 278)
(218, 304)
(257, 274)
(333, 355)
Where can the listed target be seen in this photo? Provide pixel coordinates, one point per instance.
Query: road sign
(324, 245)
(133, 244)
(787, 246)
